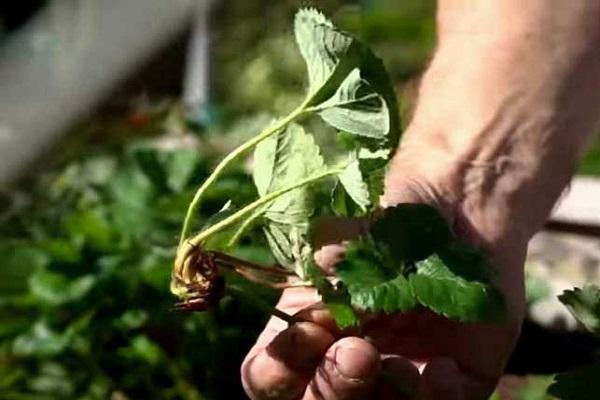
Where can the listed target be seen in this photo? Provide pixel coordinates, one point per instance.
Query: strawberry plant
(408, 258)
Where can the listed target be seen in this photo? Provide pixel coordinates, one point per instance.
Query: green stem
(235, 217)
(237, 152)
(261, 304)
(245, 225)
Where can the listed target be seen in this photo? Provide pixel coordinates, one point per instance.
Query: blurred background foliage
(87, 240)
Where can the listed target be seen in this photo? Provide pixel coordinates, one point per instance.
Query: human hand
(503, 113)
(412, 355)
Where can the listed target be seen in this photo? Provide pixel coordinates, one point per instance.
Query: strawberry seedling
(409, 258)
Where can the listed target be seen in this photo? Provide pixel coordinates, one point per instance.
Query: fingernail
(354, 363)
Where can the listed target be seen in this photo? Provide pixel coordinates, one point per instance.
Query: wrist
(496, 189)
(493, 144)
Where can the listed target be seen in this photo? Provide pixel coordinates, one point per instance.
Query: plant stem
(235, 217)
(261, 304)
(245, 225)
(237, 152)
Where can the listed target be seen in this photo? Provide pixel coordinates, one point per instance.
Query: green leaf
(390, 296)
(330, 54)
(53, 289)
(44, 341)
(360, 184)
(290, 246)
(336, 299)
(99, 170)
(412, 231)
(444, 292)
(93, 227)
(180, 168)
(343, 314)
(397, 266)
(132, 194)
(373, 166)
(131, 319)
(348, 84)
(354, 185)
(62, 250)
(279, 161)
(466, 261)
(54, 380)
(41, 340)
(358, 109)
(373, 281)
(584, 304)
(342, 204)
(537, 288)
(168, 169)
(141, 348)
(579, 384)
(17, 262)
(280, 243)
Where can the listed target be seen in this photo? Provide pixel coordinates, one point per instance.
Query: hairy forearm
(505, 109)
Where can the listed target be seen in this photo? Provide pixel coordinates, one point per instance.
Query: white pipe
(68, 59)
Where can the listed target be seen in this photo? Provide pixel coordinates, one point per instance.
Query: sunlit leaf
(355, 186)
(279, 161)
(348, 85)
(284, 159)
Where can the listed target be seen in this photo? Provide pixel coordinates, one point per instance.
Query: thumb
(347, 372)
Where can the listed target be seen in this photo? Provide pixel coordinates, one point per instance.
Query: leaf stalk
(237, 216)
(232, 156)
(261, 304)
